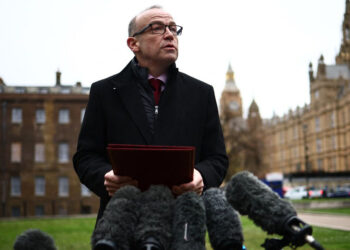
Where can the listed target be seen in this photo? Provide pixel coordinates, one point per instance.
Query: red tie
(156, 86)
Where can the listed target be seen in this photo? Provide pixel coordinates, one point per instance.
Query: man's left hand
(196, 185)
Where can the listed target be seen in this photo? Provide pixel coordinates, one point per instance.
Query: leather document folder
(153, 165)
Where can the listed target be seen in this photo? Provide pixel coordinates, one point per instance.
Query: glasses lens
(158, 28)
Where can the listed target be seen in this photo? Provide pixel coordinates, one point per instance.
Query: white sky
(268, 42)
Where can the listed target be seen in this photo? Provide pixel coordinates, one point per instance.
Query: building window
(39, 210)
(317, 124)
(39, 186)
(318, 145)
(332, 120)
(16, 152)
(65, 91)
(281, 137)
(298, 167)
(334, 142)
(20, 90)
(317, 94)
(39, 152)
(82, 113)
(295, 132)
(16, 211)
(40, 116)
(320, 164)
(63, 187)
(63, 153)
(333, 164)
(63, 116)
(15, 186)
(85, 192)
(16, 115)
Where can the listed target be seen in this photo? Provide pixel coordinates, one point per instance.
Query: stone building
(314, 141)
(310, 145)
(243, 137)
(39, 130)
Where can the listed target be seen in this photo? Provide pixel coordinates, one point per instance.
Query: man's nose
(168, 34)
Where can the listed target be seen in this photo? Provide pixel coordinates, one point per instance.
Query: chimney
(58, 78)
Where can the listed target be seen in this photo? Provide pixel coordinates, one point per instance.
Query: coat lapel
(131, 98)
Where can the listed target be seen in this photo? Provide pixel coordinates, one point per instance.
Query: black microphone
(223, 223)
(189, 223)
(34, 239)
(250, 196)
(114, 231)
(153, 231)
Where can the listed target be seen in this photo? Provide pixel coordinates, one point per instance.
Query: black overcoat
(188, 116)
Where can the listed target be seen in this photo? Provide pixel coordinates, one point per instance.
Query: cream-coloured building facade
(315, 139)
(310, 143)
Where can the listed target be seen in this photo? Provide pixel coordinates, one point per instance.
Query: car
(315, 193)
(296, 193)
(340, 192)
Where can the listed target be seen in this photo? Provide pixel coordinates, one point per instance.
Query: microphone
(114, 231)
(223, 223)
(34, 239)
(248, 195)
(188, 223)
(153, 231)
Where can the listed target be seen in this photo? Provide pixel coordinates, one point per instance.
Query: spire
(344, 54)
(230, 80)
(321, 70)
(311, 73)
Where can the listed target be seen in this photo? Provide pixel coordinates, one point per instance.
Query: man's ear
(133, 44)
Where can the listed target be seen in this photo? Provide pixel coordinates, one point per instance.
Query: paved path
(341, 222)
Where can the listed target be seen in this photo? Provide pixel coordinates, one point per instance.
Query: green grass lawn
(74, 233)
(341, 210)
(320, 200)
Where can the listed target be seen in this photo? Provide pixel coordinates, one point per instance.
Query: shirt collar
(162, 77)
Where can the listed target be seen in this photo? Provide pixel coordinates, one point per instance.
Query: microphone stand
(297, 233)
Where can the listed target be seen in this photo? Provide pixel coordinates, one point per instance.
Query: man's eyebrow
(160, 22)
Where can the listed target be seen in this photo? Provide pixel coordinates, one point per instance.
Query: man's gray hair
(132, 24)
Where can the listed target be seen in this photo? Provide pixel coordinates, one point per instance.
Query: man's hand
(195, 185)
(114, 182)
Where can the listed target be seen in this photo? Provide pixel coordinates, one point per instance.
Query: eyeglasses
(160, 28)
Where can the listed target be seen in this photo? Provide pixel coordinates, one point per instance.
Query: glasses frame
(143, 30)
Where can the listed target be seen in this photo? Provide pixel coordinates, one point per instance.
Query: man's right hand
(114, 182)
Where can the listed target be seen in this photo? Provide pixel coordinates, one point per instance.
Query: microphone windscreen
(155, 216)
(189, 223)
(250, 196)
(116, 227)
(223, 222)
(34, 239)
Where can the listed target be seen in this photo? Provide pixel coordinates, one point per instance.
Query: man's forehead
(153, 14)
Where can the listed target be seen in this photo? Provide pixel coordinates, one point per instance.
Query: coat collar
(126, 86)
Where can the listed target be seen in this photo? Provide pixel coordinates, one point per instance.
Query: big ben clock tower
(231, 101)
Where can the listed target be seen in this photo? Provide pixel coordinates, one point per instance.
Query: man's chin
(170, 59)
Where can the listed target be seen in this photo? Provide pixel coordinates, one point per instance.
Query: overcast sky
(269, 43)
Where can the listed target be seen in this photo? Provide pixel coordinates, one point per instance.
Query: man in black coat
(124, 109)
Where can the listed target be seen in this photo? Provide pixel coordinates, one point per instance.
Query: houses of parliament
(312, 141)
(40, 125)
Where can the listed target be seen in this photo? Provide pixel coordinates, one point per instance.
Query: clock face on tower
(233, 105)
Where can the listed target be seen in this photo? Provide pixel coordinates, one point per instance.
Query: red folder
(153, 165)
